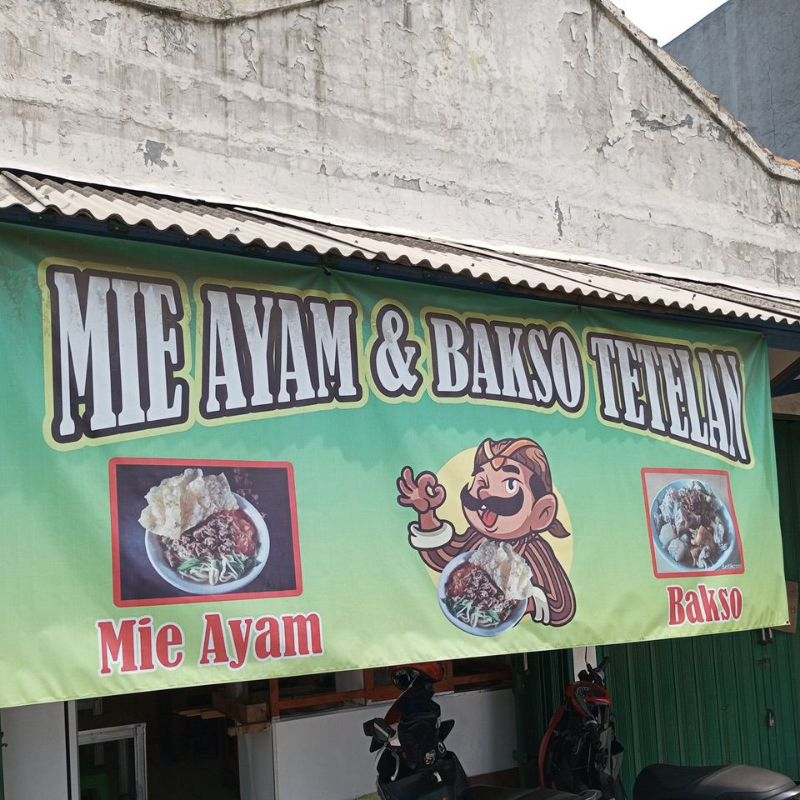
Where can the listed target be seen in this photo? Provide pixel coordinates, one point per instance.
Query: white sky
(665, 19)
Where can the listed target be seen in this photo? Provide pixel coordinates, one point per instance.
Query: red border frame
(182, 462)
(689, 574)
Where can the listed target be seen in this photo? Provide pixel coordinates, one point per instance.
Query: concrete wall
(544, 125)
(35, 758)
(747, 53)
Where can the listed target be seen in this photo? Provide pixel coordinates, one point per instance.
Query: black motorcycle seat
(497, 793)
(734, 782)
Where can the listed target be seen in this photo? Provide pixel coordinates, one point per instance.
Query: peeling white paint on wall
(518, 124)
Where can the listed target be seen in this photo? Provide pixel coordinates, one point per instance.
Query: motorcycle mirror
(381, 730)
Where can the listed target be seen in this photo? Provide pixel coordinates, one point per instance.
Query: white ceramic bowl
(516, 615)
(174, 578)
(726, 519)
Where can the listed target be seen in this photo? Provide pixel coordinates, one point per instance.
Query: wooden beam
(334, 698)
(203, 713)
(253, 727)
(482, 677)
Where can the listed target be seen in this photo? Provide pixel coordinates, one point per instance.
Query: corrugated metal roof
(280, 231)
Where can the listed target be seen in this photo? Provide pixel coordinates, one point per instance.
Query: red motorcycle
(580, 751)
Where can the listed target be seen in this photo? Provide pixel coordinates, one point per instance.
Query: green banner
(218, 469)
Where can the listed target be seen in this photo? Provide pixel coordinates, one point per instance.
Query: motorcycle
(580, 751)
(413, 762)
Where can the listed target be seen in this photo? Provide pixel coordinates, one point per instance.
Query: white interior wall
(35, 758)
(257, 767)
(327, 755)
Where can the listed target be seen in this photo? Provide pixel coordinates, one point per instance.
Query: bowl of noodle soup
(473, 602)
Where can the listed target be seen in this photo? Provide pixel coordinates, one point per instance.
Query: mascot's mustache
(502, 506)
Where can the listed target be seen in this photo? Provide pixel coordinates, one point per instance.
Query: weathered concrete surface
(748, 54)
(542, 125)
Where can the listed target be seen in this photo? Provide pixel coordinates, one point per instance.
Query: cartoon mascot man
(509, 499)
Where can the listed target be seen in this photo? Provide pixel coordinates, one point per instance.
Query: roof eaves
(559, 275)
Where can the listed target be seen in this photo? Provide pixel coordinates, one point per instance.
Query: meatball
(666, 534)
(679, 550)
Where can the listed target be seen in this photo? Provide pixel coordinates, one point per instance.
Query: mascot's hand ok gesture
(424, 494)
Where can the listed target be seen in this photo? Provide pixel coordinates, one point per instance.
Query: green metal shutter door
(784, 655)
(2, 793)
(539, 680)
(706, 700)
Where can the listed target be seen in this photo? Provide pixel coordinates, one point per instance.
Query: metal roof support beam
(787, 381)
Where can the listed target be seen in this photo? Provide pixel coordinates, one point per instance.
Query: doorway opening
(156, 746)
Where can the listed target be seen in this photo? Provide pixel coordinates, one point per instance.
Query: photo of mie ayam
(199, 530)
